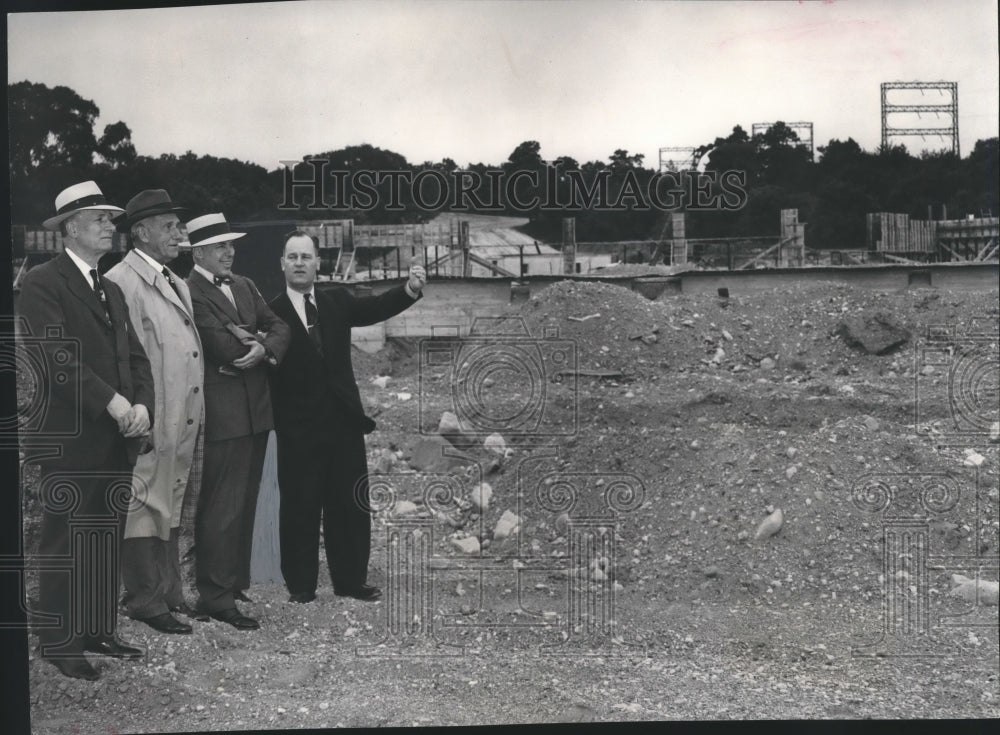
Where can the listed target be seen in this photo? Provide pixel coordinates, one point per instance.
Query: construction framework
(949, 108)
(802, 129)
(678, 158)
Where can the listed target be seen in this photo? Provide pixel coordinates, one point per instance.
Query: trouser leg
(173, 587)
(258, 452)
(301, 479)
(346, 512)
(220, 521)
(143, 574)
(80, 543)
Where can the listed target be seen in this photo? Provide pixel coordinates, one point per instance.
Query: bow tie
(219, 280)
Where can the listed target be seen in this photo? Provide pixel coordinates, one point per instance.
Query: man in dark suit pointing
(241, 337)
(320, 425)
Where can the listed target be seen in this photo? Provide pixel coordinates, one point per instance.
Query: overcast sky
(267, 82)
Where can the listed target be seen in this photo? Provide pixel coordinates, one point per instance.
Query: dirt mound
(726, 411)
(794, 334)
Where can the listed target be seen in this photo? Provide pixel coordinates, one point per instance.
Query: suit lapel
(185, 295)
(157, 280)
(243, 298)
(82, 289)
(214, 294)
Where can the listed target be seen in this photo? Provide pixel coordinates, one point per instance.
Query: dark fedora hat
(148, 203)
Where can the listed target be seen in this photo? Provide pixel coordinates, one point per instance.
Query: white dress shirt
(299, 303)
(84, 268)
(224, 286)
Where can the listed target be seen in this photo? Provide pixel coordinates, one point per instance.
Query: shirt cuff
(410, 292)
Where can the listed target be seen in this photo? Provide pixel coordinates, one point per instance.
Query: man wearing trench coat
(162, 315)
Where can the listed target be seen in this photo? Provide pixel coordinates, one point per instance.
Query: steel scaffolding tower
(802, 129)
(676, 159)
(949, 108)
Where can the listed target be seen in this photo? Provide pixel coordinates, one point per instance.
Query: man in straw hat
(162, 315)
(241, 337)
(101, 412)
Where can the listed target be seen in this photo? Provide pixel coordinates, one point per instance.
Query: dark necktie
(98, 291)
(312, 319)
(170, 280)
(219, 280)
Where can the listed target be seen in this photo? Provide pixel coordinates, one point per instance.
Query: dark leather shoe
(235, 618)
(115, 648)
(166, 623)
(240, 597)
(302, 597)
(188, 611)
(365, 593)
(77, 667)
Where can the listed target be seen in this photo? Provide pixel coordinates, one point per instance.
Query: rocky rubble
(744, 575)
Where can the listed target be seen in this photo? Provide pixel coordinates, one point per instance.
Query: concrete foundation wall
(881, 277)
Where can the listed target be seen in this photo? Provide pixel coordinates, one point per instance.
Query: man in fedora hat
(81, 321)
(162, 316)
(241, 337)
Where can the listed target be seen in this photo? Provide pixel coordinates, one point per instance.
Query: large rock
(404, 508)
(429, 455)
(480, 496)
(495, 443)
(448, 423)
(508, 524)
(450, 429)
(467, 545)
(770, 525)
(383, 465)
(982, 591)
(876, 334)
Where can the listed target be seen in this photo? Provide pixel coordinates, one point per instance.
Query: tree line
(53, 144)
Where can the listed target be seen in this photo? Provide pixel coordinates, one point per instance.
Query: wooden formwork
(968, 239)
(678, 239)
(964, 239)
(792, 245)
(892, 232)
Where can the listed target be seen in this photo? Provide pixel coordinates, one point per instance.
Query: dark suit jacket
(308, 390)
(104, 357)
(235, 405)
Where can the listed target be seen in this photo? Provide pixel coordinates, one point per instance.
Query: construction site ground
(685, 423)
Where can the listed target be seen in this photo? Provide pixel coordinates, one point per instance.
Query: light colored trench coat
(166, 328)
